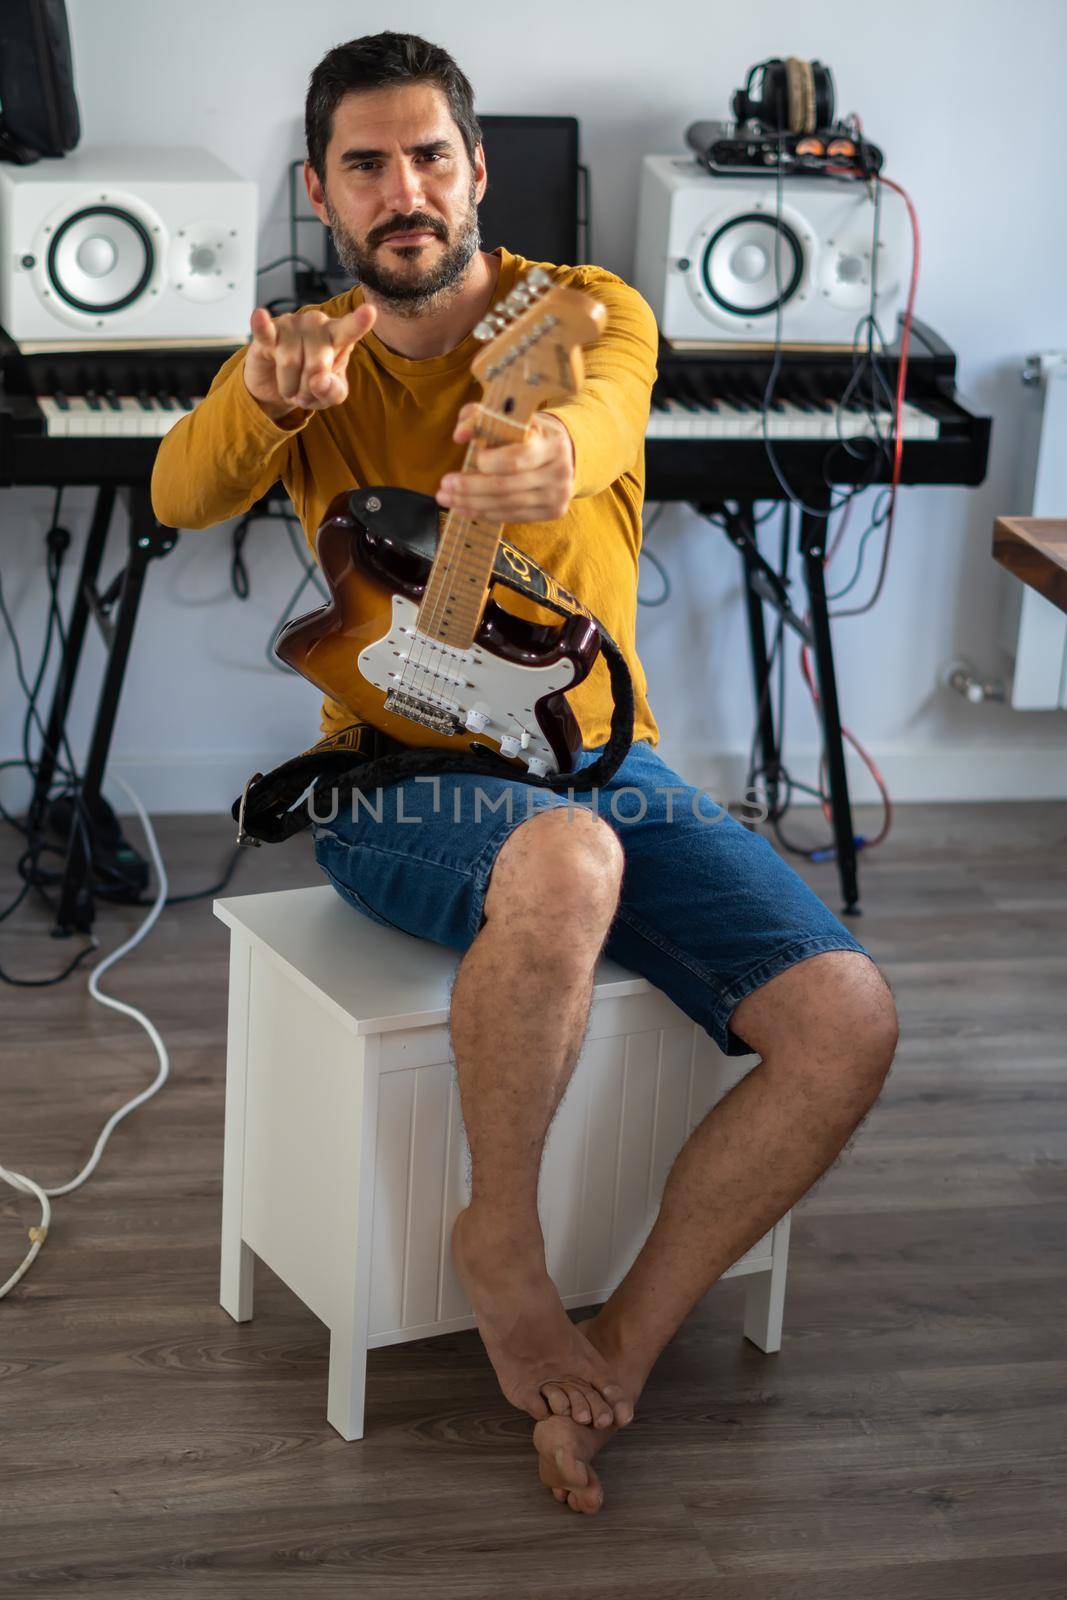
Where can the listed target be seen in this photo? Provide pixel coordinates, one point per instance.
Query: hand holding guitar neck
(300, 358)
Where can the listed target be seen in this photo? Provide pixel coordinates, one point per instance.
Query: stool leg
(350, 1327)
(235, 1277)
(348, 1384)
(765, 1295)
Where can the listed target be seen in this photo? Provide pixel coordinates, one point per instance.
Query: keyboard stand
(147, 541)
(763, 585)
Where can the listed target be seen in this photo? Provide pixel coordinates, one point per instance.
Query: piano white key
(924, 425)
(727, 422)
(156, 421)
(723, 423)
(750, 423)
(79, 420)
(80, 417)
(148, 419)
(686, 422)
(129, 417)
(55, 417)
(792, 423)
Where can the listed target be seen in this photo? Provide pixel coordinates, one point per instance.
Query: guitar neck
(458, 585)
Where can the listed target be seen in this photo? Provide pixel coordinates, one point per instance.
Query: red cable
(887, 804)
(905, 340)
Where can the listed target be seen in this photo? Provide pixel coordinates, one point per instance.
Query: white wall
(946, 91)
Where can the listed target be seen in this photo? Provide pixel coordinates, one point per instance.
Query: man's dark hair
(378, 61)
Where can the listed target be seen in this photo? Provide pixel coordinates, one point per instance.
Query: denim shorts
(708, 911)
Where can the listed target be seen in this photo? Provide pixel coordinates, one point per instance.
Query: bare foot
(565, 1449)
(544, 1365)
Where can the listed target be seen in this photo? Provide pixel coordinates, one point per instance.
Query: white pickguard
(457, 682)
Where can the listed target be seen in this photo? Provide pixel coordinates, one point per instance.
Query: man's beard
(409, 294)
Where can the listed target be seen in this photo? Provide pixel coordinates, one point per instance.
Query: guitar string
(455, 529)
(420, 658)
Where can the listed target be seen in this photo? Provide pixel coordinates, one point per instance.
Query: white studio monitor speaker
(120, 242)
(706, 249)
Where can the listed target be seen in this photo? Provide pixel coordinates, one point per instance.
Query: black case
(38, 108)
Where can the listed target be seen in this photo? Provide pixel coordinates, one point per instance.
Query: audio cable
(26, 1185)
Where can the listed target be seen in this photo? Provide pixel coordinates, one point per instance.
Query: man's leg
(520, 1006)
(826, 1030)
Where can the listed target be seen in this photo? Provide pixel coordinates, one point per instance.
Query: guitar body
(363, 648)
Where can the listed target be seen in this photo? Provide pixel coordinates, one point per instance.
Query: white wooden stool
(346, 1161)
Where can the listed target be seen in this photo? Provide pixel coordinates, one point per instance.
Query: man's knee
(563, 862)
(833, 1014)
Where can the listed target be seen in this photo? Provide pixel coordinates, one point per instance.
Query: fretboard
(458, 584)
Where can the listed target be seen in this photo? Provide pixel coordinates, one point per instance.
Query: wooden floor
(907, 1443)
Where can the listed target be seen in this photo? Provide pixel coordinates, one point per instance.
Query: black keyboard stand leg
(68, 666)
(741, 529)
(147, 540)
(813, 531)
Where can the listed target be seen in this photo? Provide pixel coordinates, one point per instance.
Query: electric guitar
(410, 639)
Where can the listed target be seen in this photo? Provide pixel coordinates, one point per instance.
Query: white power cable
(18, 1180)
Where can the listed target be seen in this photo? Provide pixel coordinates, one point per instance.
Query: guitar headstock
(534, 339)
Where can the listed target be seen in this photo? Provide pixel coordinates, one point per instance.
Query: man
(367, 389)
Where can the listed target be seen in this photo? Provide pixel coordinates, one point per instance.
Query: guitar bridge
(416, 710)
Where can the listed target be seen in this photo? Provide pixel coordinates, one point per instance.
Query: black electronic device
(785, 122)
(706, 430)
(727, 149)
(40, 111)
(533, 202)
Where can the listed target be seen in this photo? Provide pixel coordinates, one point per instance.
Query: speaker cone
(739, 270)
(100, 259)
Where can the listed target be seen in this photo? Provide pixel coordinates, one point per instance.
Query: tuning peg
(537, 278)
(484, 331)
(518, 299)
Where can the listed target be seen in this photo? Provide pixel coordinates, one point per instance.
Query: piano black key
(732, 397)
(817, 401)
(686, 395)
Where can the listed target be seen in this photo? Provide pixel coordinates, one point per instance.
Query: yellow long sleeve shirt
(395, 428)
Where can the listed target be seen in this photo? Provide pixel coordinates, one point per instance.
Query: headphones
(795, 96)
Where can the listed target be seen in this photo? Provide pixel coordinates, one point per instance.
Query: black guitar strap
(275, 806)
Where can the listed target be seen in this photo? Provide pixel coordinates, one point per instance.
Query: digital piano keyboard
(97, 416)
(708, 430)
